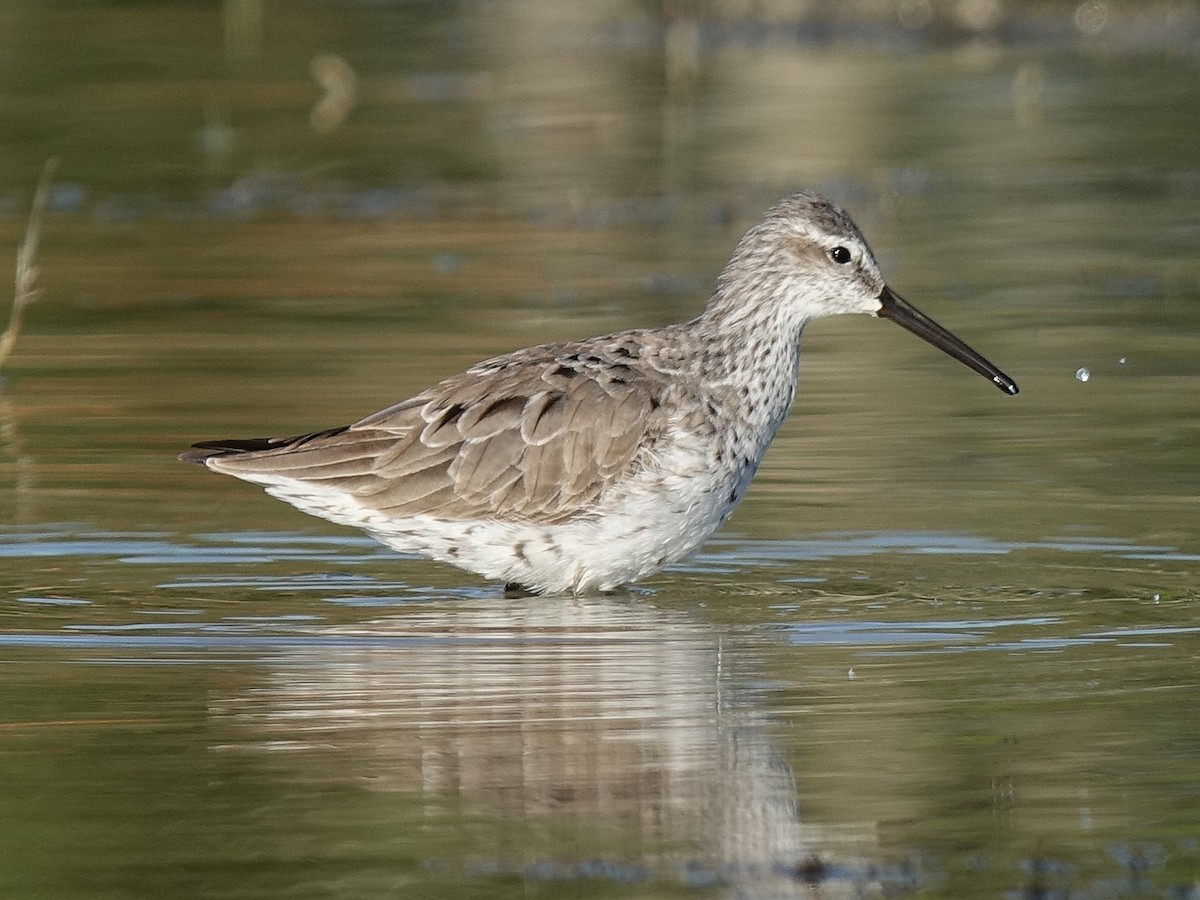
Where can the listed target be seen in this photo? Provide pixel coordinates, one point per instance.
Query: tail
(203, 451)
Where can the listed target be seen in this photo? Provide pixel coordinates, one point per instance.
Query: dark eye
(840, 255)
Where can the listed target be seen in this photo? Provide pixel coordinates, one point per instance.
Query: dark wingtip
(206, 450)
(195, 455)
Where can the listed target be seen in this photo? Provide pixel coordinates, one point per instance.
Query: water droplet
(1082, 374)
(448, 263)
(914, 14)
(1091, 17)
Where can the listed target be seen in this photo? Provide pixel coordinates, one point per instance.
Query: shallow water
(947, 647)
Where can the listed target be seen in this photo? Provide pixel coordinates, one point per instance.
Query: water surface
(947, 647)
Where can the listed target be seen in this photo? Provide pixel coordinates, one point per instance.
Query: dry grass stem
(25, 290)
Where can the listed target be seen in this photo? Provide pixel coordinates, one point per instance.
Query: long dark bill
(908, 316)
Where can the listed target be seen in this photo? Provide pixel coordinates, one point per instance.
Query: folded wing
(538, 435)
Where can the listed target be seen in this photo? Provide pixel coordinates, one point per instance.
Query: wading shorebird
(584, 465)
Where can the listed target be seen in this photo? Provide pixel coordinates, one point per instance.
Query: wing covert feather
(539, 435)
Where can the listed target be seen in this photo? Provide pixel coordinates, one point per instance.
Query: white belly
(659, 517)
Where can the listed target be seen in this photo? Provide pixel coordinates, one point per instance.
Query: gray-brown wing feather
(540, 435)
